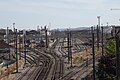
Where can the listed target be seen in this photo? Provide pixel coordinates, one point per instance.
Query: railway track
(58, 67)
(60, 49)
(82, 73)
(61, 46)
(26, 75)
(81, 68)
(29, 59)
(69, 75)
(43, 73)
(78, 45)
(38, 72)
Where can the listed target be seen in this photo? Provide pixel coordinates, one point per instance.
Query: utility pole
(46, 38)
(38, 33)
(98, 32)
(14, 37)
(24, 41)
(93, 53)
(7, 38)
(16, 53)
(102, 42)
(7, 34)
(15, 45)
(97, 37)
(41, 32)
(102, 49)
(14, 33)
(70, 48)
(68, 45)
(19, 46)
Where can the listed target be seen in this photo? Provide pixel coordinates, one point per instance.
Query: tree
(107, 63)
(110, 47)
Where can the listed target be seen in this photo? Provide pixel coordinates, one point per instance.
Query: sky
(28, 14)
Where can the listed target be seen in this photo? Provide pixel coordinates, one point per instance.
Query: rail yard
(63, 55)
